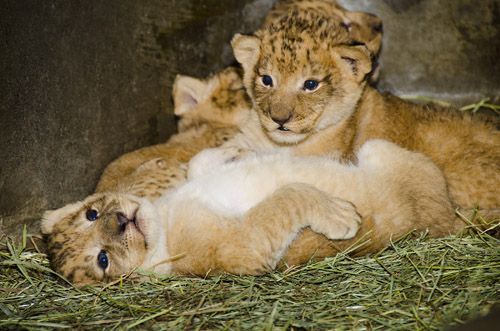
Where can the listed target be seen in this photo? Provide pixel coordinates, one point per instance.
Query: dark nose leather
(281, 120)
(122, 219)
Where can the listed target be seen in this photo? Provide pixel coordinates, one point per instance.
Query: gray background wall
(85, 81)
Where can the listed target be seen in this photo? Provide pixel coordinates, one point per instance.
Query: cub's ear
(246, 50)
(367, 28)
(355, 61)
(188, 92)
(52, 217)
(231, 77)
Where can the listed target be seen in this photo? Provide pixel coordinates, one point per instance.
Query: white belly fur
(234, 188)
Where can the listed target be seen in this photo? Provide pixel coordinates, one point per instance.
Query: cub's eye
(92, 215)
(267, 80)
(311, 85)
(102, 260)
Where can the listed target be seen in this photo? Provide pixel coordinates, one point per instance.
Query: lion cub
(210, 112)
(242, 217)
(307, 81)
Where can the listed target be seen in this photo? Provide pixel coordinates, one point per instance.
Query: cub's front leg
(211, 159)
(262, 237)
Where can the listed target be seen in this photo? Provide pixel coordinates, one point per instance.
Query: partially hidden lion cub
(210, 112)
(242, 217)
(362, 27)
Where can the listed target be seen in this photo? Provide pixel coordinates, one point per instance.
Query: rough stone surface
(447, 49)
(85, 81)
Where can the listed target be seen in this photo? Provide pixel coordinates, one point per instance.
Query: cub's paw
(212, 158)
(338, 219)
(153, 164)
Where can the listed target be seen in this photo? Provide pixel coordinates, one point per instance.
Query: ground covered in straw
(417, 283)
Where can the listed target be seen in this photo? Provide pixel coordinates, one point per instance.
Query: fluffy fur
(361, 27)
(242, 217)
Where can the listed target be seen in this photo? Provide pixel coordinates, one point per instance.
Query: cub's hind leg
(269, 228)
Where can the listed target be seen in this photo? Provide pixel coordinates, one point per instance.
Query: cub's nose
(281, 120)
(123, 220)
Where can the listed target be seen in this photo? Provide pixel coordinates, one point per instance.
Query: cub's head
(304, 73)
(220, 99)
(102, 237)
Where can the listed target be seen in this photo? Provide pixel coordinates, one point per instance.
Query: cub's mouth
(145, 222)
(131, 223)
(286, 136)
(286, 131)
(138, 223)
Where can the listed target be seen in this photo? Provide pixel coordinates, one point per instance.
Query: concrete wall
(448, 49)
(85, 81)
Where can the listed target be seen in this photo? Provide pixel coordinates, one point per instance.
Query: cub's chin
(148, 222)
(286, 137)
(282, 135)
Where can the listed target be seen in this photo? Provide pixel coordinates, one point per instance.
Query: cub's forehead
(297, 42)
(73, 215)
(292, 56)
(108, 202)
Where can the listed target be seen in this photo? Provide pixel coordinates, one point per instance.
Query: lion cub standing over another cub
(307, 80)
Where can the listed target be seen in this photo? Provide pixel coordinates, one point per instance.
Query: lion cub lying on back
(242, 217)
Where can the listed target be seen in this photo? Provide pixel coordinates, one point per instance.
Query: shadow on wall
(83, 83)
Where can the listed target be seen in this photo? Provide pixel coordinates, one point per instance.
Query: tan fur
(343, 113)
(363, 27)
(184, 234)
(253, 244)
